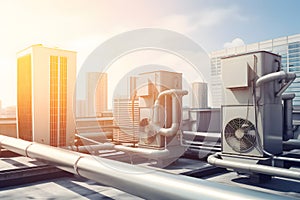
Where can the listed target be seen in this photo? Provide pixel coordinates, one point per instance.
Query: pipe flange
(26, 149)
(75, 165)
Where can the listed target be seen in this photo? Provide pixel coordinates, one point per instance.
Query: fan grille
(240, 135)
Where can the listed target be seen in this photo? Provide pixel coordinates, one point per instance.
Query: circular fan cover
(240, 135)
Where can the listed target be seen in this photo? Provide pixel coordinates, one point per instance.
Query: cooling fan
(240, 135)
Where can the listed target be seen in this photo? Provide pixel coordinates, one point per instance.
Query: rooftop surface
(47, 182)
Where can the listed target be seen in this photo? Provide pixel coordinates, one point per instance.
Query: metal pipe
(286, 159)
(149, 153)
(286, 85)
(175, 112)
(96, 138)
(275, 76)
(144, 182)
(175, 120)
(252, 168)
(291, 144)
(288, 116)
(91, 149)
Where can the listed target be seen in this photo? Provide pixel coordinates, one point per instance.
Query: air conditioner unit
(242, 134)
(149, 86)
(252, 115)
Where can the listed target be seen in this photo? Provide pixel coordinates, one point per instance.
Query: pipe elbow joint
(169, 131)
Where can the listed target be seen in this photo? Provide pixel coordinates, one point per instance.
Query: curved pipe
(256, 168)
(175, 110)
(275, 76)
(140, 181)
(169, 131)
(171, 91)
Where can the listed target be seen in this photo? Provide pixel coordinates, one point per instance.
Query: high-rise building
(45, 90)
(132, 87)
(289, 49)
(81, 108)
(199, 95)
(96, 93)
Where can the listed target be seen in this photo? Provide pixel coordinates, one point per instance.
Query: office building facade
(96, 93)
(289, 49)
(45, 90)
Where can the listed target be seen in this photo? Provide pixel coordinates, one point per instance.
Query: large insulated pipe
(275, 76)
(289, 76)
(288, 116)
(252, 168)
(140, 181)
(175, 94)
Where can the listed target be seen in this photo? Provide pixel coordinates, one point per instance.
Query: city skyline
(33, 22)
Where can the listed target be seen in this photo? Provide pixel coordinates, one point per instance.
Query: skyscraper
(96, 93)
(81, 108)
(45, 91)
(289, 49)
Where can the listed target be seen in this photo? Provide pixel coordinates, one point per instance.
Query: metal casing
(269, 128)
(149, 85)
(240, 71)
(239, 75)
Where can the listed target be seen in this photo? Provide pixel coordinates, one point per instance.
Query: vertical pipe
(175, 110)
(287, 115)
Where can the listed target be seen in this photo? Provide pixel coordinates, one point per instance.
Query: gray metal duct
(140, 181)
(255, 168)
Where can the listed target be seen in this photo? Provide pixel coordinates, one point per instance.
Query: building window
(63, 101)
(53, 100)
(24, 96)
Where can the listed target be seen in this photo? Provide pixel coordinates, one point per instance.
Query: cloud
(234, 43)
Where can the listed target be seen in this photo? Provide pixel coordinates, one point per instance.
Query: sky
(82, 25)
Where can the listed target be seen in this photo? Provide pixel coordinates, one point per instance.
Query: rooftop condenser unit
(252, 115)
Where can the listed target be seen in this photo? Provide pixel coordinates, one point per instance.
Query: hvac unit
(244, 135)
(148, 86)
(252, 108)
